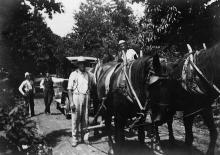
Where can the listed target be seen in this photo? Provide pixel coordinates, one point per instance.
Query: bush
(19, 130)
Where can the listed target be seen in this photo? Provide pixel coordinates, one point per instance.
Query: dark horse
(170, 95)
(114, 91)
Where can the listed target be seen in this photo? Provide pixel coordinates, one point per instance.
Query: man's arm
(21, 88)
(70, 94)
(42, 84)
(70, 90)
(33, 87)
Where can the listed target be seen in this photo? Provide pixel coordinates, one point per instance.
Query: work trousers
(79, 115)
(29, 101)
(48, 98)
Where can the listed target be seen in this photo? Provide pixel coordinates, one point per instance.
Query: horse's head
(160, 89)
(144, 72)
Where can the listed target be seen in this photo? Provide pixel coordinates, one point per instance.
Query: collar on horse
(150, 79)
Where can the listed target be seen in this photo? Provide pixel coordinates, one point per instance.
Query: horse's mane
(139, 71)
(207, 60)
(208, 63)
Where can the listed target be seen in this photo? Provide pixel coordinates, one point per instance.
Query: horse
(115, 93)
(172, 94)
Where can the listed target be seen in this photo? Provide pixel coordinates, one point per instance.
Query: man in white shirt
(27, 90)
(78, 91)
(130, 54)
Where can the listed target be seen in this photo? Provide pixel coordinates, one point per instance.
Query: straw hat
(81, 60)
(121, 42)
(26, 74)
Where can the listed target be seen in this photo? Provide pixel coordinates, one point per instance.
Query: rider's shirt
(130, 55)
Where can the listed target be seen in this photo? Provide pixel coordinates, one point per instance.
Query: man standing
(78, 91)
(27, 90)
(125, 53)
(47, 86)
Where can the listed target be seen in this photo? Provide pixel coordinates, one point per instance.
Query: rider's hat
(121, 42)
(26, 74)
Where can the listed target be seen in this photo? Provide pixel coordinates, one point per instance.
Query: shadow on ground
(133, 147)
(179, 148)
(54, 137)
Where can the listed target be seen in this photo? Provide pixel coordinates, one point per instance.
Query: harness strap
(203, 77)
(132, 89)
(193, 113)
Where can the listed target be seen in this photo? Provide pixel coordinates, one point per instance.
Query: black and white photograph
(109, 77)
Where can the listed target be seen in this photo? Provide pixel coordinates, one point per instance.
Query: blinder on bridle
(156, 72)
(154, 78)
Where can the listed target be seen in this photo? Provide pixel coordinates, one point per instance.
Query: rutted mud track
(57, 131)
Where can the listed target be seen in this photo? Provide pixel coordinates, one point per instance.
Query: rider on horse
(126, 54)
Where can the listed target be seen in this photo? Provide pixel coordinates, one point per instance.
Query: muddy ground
(57, 131)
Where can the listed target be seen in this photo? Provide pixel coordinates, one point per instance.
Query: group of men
(27, 90)
(79, 84)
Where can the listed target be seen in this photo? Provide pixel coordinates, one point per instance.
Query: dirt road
(57, 131)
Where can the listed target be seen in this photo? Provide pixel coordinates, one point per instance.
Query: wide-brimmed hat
(81, 60)
(121, 42)
(26, 74)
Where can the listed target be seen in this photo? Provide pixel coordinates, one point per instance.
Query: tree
(92, 26)
(99, 27)
(124, 25)
(187, 21)
(28, 37)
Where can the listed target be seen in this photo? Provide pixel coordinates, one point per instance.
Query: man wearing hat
(27, 90)
(126, 54)
(78, 91)
(47, 86)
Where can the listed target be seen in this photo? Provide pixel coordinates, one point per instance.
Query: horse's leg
(108, 121)
(153, 134)
(209, 121)
(170, 130)
(141, 134)
(119, 129)
(188, 122)
(119, 132)
(157, 133)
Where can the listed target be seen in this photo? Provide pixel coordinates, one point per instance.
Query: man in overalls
(47, 86)
(78, 91)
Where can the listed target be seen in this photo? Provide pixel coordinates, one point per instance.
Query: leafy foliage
(18, 128)
(34, 41)
(99, 27)
(177, 22)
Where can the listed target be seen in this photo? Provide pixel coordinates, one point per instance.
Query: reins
(131, 88)
(202, 76)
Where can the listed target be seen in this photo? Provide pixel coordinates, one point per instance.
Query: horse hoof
(157, 150)
(210, 152)
(172, 141)
(111, 152)
(86, 137)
